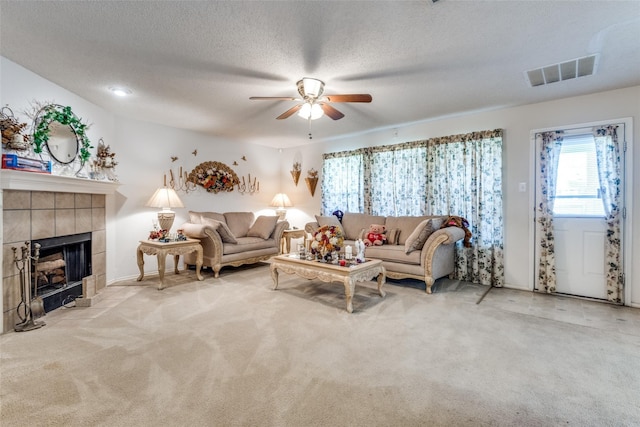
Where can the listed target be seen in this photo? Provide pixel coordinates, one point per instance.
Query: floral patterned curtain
(343, 180)
(609, 174)
(464, 178)
(550, 145)
(398, 180)
(455, 175)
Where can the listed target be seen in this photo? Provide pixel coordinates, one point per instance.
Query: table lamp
(281, 201)
(165, 198)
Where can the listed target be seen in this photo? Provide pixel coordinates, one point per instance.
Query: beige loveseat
(233, 238)
(416, 245)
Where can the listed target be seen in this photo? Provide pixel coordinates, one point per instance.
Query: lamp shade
(165, 198)
(281, 200)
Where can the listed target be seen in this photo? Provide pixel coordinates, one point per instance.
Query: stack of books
(13, 161)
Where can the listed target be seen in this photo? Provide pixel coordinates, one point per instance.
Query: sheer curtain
(398, 180)
(609, 174)
(464, 178)
(550, 145)
(343, 181)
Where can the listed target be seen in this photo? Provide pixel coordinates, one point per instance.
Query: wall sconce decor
(312, 181)
(295, 173)
(248, 186)
(183, 183)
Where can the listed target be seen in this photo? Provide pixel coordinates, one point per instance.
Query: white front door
(579, 225)
(580, 246)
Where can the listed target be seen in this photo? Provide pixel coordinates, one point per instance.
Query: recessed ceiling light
(120, 91)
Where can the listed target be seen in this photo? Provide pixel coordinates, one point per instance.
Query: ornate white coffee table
(326, 272)
(162, 249)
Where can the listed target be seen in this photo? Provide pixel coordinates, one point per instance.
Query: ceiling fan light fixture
(312, 87)
(310, 111)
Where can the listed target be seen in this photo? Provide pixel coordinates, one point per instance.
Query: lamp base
(165, 219)
(282, 213)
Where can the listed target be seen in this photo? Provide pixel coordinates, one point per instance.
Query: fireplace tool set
(30, 308)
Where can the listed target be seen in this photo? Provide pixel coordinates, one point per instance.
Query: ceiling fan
(313, 104)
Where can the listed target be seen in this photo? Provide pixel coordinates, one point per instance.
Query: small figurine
(105, 163)
(360, 247)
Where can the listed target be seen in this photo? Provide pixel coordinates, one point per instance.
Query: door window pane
(577, 186)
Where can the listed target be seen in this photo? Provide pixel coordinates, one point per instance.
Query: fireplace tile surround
(29, 215)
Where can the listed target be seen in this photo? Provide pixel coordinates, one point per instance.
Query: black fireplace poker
(24, 311)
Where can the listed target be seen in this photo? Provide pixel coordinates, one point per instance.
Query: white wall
(517, 123)
(143, 151)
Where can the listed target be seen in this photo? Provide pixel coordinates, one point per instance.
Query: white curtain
(342, 182)
(398, 180)
(550, 144)
(609, 174)
(465, 179)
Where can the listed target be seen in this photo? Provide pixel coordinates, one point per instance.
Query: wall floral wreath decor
(214, 177)
(63, 115)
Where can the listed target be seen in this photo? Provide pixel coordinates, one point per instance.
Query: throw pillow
(418, 237)
(329, 220)
(213, 215)
(239, 222)
(223, 230)
(195, 217)
(392, 236)
(263, 227)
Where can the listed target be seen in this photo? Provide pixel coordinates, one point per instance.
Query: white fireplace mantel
(31, 181)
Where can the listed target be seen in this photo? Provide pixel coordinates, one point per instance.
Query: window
(577, 185)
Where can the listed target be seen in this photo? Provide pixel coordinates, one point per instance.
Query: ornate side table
(287, 235)
(162, 249)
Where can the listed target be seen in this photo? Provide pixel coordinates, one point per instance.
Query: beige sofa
(233, 238)
(416, 245)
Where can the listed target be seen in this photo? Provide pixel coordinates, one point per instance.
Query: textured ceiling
(194, 64)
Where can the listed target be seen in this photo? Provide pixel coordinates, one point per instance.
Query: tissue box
(13, 161)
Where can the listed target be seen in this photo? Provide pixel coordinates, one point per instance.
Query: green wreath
(64, 116)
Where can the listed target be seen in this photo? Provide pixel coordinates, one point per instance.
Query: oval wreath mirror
(62, 132)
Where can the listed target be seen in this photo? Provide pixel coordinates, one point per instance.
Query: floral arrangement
(12, 131)
(327, 239)
(214, 177)
(106, 159)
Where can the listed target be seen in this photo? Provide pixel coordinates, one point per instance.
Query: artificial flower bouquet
(327, 239)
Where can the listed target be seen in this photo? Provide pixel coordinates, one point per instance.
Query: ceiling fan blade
(331, 112)
(273, 98)
(360, 97)
(291, 111)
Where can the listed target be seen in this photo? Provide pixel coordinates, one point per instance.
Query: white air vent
(568, 70)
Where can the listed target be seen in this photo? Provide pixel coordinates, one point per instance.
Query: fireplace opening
(60, 267)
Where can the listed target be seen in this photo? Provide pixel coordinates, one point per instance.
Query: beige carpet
(231, 351)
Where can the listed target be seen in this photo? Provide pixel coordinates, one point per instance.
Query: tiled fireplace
(33, 215)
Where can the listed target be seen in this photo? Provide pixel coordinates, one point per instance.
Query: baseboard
(517, 288)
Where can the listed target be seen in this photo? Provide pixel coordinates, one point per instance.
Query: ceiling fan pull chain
(309, 120)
